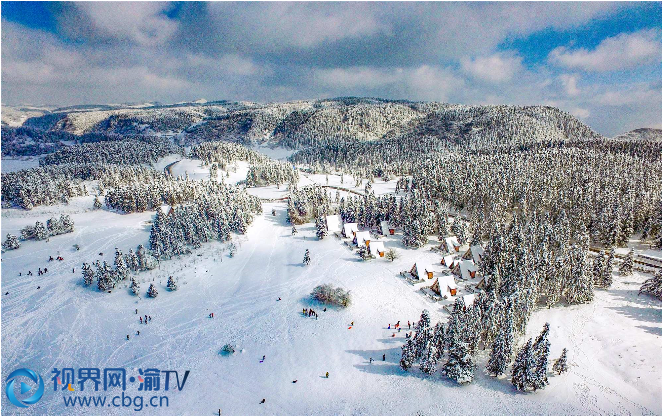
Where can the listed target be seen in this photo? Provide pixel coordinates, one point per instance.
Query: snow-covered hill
(641, 134)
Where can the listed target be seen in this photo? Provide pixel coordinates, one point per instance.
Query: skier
(383, 357)
(263, 357)
(6, 293)
(352, 324)
(324, 309)
(136, 311)
(409, 324)
(45, 270)
(29, 272)
(38, 287)
(370, 360)
(138, 333)
(389, 326)
(294, 381)
(327, 374)
(263, 400)
(127, 337)
(150, 317)
(73, 270)
(141, 319)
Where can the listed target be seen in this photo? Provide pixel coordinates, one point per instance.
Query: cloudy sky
(600, 61)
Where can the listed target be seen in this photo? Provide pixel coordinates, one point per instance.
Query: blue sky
(599, 61)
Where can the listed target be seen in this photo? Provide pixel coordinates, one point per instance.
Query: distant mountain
(319, 122)
(641, 134)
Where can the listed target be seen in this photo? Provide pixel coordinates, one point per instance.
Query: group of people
(147, 319)
(58, 258)
(310, 312)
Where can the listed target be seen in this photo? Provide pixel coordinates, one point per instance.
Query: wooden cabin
(421, 271)
(445, 286)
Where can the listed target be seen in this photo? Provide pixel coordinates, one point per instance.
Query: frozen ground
(614, 343)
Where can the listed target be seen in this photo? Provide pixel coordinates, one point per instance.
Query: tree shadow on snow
(653, 330)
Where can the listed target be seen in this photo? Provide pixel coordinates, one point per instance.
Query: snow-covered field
(614, 342)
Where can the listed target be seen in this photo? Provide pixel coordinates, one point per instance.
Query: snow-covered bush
(332, 295)
(152, 292)
(653, 286)
(11, 243)
(228, 349)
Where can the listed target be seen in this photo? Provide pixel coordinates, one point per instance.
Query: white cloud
(280, 25)
(424, 82)
(496, 68)
(624, 51)
(142, 22)
(639, 94)
(570, 84)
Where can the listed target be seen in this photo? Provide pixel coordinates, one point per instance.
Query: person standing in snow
(327, 374)
(384, 357)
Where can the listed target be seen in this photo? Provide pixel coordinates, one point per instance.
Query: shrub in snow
(306, 257)
(653, 286)
(11, 243)
(152, 292)
(334, 296)
(391, 254)
(561, 364)
(171, 284)
(135, 287)
(628, 264)
(228, 349)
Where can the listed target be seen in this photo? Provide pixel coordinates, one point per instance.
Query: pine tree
(306, 258)
(11, 243)
(152, 292)
(408, 355)
(40, 231)
(502, 348)
(294, 230)
(598, 268)
(88, 274)
(579, 287)
(460, 365)
(561, 364)
(171, 284)
(541, 358)
(135, 288)
(628, 264)
(97, 203)
(120, 265)
(322, 231)
(104, 276)
(522, 375)
(607, 277)
(653, 285)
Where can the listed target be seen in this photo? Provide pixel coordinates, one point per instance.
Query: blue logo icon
(36, 378)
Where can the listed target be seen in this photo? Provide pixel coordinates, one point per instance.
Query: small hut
(386, 228)
(362, 238)
(448, 261)
(377, 249)
(333, 223)
(474, 253)
(445, 286)
(421, 271)
(452, 244)
(350, 229)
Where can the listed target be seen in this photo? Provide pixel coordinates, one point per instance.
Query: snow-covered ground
(614, 343)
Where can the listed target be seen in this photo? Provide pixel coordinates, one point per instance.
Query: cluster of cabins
(458, 264)
(452, 266)
(359, 238)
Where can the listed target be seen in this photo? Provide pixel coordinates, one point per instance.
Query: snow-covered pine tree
(172, 285)
(607, 277)
(120, 265)
(97, 203)
(135, 287)
(561, 363)
(322, 231)
(598, 268)
(653, 286)
(152, 292)
(522, 375)
(502, 347)
(11, 243)
(294, 230)
(104, 276)
(628, 264)
(579, 287)
(408, 355)
(306, 257)
(460, 365)
(541, 357)
(88, 274)
(40, 231)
